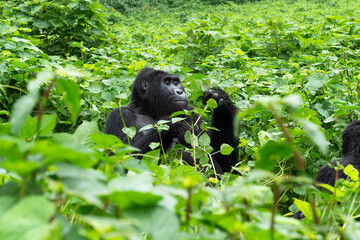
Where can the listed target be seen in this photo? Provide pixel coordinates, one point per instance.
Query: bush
(63, 27)
(133, 5)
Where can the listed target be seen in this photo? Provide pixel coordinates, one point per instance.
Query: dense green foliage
(131, 6)
(292, 68)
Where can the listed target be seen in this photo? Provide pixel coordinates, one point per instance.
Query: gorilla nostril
(179, 92)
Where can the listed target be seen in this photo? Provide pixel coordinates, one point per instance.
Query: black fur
(154, 98)
(351, 155)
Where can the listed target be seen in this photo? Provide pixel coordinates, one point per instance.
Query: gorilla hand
(219, 96)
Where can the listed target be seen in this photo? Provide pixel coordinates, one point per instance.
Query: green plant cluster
(131, 6)
(290, 66)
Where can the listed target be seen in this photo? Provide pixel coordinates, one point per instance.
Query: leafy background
(291, 66)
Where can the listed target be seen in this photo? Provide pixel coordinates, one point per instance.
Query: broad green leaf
(131, 131)
(127, 199)
(164, 127)
(30, 219)
(177, 119)
(158, 222)
(84, 183)
(84, 132)
(271, 153)
(293, 101)
(339, 193)
(106, 140)
(204, 140)
(212, 103)
(29, 129)
(5, 203)
(41, 78)
(306, 208)
(316, 82)
(72, 151)
(191, 139)
(105, 224)
(352, 172)
(226, 149)
(162, 122)
(146, 127)
(47, 124)
(316, 135)
(71, 96)
(154, 145)
(20, 113)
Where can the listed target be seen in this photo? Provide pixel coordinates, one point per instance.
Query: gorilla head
(158, 93)
(351, 139)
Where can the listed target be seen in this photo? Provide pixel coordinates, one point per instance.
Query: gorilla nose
(179, 92)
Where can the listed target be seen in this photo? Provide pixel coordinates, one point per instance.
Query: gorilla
(155, 96)
(351, 155)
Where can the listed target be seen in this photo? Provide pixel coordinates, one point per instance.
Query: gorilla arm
(141, 140)
(223, 121)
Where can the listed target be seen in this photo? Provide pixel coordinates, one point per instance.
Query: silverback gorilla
(155, 96)
(351, 155)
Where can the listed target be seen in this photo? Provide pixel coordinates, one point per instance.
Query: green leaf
(154, 145)
(316, 135)
(212, 103)
(5, 203)
(29, 128)
(352, 172)
(158, 222)
(226, 149)
(105, 140)
(316, 82)
(47, 124)
(204, 140)
(293, 101)
(306, 208)
(164, 127)
(84, 132)
(271, 153)
(21, 111)
(71, 97)
(177, 119)
(162, 122)
(72, 151)
(84, 183)
(146, 127)
(41, 78)
(131, 131)
(191, 139)
(30, 219)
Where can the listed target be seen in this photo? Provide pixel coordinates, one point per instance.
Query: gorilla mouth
(179, 102)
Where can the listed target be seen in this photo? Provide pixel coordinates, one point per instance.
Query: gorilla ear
(144, 85)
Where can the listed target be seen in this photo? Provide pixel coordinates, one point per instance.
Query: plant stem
(299, 163)
(276, 199)
(42, 105)
(122, 119)
(188, 205)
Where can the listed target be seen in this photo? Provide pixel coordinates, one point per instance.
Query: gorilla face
(157, 93)
(174, 92)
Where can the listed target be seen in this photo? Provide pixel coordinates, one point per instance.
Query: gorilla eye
(167, 81)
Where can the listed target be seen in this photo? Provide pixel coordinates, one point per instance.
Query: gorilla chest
(141, 121)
